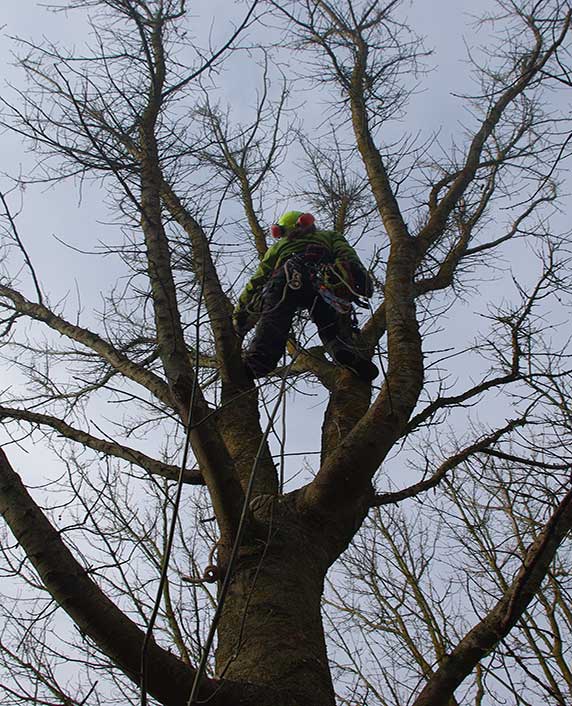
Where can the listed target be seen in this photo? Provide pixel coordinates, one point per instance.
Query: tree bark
(271, 629)
(271, 645)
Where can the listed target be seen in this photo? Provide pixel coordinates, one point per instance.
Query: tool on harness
(316, 261)
(348, 281)
(342, 306)
(304, 272)
(293, 278)
(326, 281)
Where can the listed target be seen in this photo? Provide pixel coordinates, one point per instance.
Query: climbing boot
(363, 368)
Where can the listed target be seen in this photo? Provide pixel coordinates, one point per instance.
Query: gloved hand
(356, 278)
(240, 323)
(363, 283)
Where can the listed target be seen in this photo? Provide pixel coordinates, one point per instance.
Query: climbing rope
(176, 503)
(211, 571)
(240, 531)
(293, 281)
(282, 442)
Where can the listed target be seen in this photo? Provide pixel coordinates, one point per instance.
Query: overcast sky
(58, 211)
(81, 219)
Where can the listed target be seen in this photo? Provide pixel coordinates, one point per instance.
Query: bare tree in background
(188, 184)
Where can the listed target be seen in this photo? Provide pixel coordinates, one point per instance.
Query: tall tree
(137, 112)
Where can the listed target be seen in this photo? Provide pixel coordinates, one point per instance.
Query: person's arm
(343, 250)
(257, 281)
(350, 268)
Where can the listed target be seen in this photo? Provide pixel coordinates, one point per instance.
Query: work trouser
(279, 304)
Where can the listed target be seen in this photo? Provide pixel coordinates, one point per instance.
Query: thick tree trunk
(271, 629)
(349, 401)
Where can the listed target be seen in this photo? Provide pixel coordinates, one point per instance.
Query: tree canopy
(396, 542)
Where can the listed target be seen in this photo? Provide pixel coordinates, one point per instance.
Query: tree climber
(309, 269)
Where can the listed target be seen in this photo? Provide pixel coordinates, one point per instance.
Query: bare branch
(481, 446)
(502, 618)
(104, 446)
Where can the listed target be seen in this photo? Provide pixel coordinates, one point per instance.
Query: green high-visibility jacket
(278, 253)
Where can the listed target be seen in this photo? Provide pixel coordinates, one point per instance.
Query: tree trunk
(271, 628)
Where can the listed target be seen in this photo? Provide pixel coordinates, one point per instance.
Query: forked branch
(497, 623)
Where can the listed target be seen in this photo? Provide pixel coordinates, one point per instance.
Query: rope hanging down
(241, 525)
(176, 506)
(176, 503)
(240, 531)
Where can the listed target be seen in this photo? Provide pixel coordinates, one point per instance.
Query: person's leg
(326, 319)
(338, 346)
(279, 303)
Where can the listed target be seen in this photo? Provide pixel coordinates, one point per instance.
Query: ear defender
(305, 220)
(291, 220)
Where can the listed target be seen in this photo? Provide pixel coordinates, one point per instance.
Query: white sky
(59, 211)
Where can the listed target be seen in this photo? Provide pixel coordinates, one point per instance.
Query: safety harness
(333, 287)
(325, 279)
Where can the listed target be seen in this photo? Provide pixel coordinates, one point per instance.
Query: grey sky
(82, 219)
